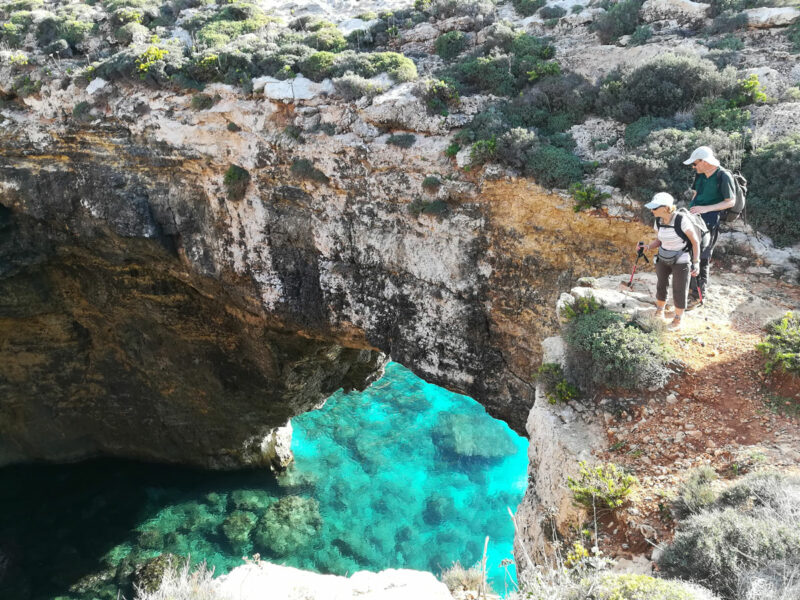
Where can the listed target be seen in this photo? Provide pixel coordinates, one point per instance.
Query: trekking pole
(639, 254)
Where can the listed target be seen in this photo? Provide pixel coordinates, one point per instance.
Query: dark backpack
(697, 223)
(739, 185)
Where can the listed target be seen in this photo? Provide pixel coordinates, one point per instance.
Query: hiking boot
(675, 324)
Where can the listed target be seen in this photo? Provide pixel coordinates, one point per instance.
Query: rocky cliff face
(147, 313)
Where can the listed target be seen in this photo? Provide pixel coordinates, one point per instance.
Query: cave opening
(403, 475)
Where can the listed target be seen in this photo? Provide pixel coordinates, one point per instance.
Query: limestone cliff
(144, 310)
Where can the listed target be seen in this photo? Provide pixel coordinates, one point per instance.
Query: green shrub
(236, 181)
(352, 87)
(773, 180)
(728, 22)
(457, 578)
(305, 169)
(397, 66)
(716, 546)
(641, 35)
(233, 127)
(630, 586)
(729, 42)
(555, 167)
(81, 111)
(202, 102)
(619, 19)
(614, 353)
(439, 95)
(671, 83)
(483, 151)
(556, 387)
(748, 91)
(587, 196)
(436, 208)
(403, 140)
(328, 39)
(528, 7)
(132, 32)
(552, 12)
(793, 35)
(319, 65)
(769, 489)
(232, 21)
(452, 150)
(431, 183)
(720, 114)
(782, 345)
(516, 147)
(697, 493)
(450, 44)
(636, 133)
(601, 486)
(583, 305)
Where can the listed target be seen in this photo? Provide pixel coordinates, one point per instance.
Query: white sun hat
(660, 199)
(703, 153)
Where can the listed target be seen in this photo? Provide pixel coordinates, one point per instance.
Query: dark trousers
(680, 282)
(705, 263)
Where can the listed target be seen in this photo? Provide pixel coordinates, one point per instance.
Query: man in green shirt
(713, 193)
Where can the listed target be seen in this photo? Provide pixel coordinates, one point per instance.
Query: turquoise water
(405, 474)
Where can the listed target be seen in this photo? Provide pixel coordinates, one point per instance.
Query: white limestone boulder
(767, 18)
(424, 32)
(402, 109)
(684, 12)
(299, 88)
(257, 581)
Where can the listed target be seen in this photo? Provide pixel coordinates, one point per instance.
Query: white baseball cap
(660, 199)
(703, 153)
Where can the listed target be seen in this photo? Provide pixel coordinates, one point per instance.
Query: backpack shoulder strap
(679, 230)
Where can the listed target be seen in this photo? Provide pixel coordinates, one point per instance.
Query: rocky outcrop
(684, 12)
(767, 18)
(248, 582)
(330, 257)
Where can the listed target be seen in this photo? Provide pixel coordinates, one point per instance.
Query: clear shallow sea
(405, 474)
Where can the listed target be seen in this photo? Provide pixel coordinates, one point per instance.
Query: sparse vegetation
(431, 184)
(697, 493)
(181, 582)
(601, 486)
(620, 18)
(403, 140)
(587, 196)
(781, 347)
(557, 388)
(236, 180)
(450, 44)
(305, 169)
(458, 578)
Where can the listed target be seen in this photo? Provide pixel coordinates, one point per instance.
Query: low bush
(605, 350)
(182, 582)
(729, 42)
(305, 169)
(747, 91)
(431, 184)
(528, 7)
(793, 35)
(556, 387)
(403, 140)
(132, 33)
(641, 35)
(773, 181)
(458, 578)
(328, 39)
(621, 18)
(636, 133)
(552, 12)
(439, 95)
(587, 196)
(352, 87)
(515, 148)
(450, 44)
(781, 347)
(452, 150)
(236, 180)
(728, 22)
(583, 305)
(671, 83)
(483, 151)
(436, 208)
(697, 493)
(202, 102)
(81, 111)
(555, 167)
(601, 486)
(721, 114)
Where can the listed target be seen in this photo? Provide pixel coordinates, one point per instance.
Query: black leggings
(680, 282)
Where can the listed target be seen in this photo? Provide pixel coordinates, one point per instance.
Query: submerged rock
(468, 436)
(288, 524)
